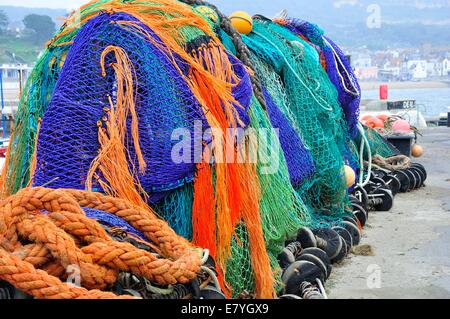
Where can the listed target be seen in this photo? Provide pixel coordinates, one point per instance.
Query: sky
(65, 4)
(71, 4)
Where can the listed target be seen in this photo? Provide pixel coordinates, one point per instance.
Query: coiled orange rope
(66, 237)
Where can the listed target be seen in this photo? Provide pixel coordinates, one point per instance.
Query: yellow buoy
(242, 22)
(417, 150)
(350, 176)
(208, 12)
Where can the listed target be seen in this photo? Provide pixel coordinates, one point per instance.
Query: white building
(15, 72)
(362, 61)
(12, 78)
(446, 67)
(417, 69)
(389, 73)
(434, 68)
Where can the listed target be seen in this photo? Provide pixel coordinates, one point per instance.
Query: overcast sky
(66, 4)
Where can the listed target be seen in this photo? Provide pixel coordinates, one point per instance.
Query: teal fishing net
(314, 108)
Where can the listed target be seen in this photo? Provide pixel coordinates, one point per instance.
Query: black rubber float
(418, 176)
(329, 241)
(379, 182)
(316, 261)
(379, 173)
(354, 232)
(361, 194)
(351, 219)
(360, 214)
(286, 258)
(345, 234)
(342, 253)
(423, 176)
(412, 179)
(306, 238)
(393, 183)
(298, 273)
(385, 200)
(422, 169)
(319, 253)
(404, 180)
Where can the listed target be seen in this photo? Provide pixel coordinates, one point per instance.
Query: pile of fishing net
(131, 99)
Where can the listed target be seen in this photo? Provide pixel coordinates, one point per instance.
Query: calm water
(431, 102)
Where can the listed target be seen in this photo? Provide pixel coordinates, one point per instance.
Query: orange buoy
(417, 150)
(374, 122)
(242, 22)
(383, 117)
(350, 176)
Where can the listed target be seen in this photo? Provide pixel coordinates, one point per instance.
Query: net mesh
(378, 144)
(113, 51)
(68, 140)
(176, 209)
(282, 210)
(313, 102)
(338, 68)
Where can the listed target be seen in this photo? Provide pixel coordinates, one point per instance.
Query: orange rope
(204, 210)
(112, 158)
(55, 239)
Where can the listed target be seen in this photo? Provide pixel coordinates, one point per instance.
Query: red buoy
(384, 92)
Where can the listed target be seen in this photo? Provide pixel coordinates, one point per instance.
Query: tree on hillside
(4, 22)
(42, 25)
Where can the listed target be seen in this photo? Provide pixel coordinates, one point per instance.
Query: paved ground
(411, 243)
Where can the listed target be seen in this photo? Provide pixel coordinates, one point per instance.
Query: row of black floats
(307, 261)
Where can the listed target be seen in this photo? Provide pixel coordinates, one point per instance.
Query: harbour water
(431, 102)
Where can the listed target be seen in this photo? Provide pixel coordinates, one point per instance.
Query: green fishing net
(282, 209)
(378, 144)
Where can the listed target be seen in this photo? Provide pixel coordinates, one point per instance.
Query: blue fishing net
(299, 160)
(68, 140)
(298, 157)
(111, 220)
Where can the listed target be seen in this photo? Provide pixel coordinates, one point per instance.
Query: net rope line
(337, 59)
(364, 146)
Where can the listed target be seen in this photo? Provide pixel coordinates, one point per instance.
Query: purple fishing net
(298, 158)
(111, 220)
(68, 140)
